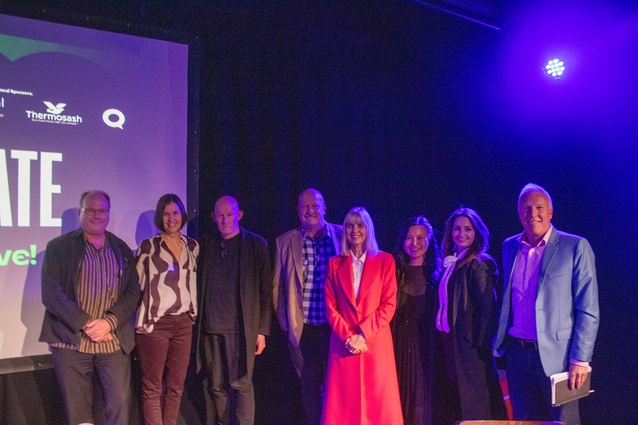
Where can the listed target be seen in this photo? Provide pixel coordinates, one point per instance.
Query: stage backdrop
(80, 109)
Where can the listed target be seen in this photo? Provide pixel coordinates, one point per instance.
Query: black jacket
(255, 285)
(63, 318)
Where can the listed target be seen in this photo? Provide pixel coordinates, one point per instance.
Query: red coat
(361, 388)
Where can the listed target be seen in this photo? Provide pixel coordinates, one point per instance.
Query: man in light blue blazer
(549, 319)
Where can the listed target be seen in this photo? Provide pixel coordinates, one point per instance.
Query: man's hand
(577, 376)
(98, 330)
(261, 344)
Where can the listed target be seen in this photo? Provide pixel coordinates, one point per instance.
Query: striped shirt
(96, 290)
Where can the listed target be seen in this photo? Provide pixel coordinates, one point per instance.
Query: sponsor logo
(55, 109)
(54, 115)
(119, 118)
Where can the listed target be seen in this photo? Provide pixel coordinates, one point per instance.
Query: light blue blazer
(567, 314)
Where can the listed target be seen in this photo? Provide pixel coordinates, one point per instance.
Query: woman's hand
(356, 344)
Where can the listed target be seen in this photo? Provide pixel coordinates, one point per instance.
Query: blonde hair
(355, 216)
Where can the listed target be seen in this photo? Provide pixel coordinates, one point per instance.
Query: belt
(528, 344)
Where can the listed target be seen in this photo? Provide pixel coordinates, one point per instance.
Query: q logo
(106, 117)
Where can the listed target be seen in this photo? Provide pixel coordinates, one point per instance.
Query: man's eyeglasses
(94, 212)
(224, 252)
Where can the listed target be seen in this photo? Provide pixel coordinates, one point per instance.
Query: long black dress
(412, 331)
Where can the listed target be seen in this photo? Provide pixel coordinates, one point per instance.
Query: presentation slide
(80, 109)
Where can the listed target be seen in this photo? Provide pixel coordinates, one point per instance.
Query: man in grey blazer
(549, 319)
(301, 261)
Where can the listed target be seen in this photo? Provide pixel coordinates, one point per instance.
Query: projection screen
(80, 109)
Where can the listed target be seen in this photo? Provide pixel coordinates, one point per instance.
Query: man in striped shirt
(90, 290)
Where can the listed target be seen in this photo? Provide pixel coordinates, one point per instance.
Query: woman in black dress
(418, 267)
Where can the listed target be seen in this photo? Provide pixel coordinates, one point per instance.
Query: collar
(522, 239)
(321, 233)
(182, 238)
(360, 260)
(88, 242)
(453, 258)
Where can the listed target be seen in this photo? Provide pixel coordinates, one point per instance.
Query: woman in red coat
(361, 288)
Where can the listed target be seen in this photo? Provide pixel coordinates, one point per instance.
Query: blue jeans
(530, 389)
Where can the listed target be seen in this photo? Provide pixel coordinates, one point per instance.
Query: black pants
(229, 374)
(530, 389)
(314, 344)
(75, 370)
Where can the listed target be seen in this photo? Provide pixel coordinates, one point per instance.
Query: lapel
(370, 270)
(345, 279)
(548, 256)
(75, 259)
(330, 228)
(245, 255)
(458, 280)
(513, 248)
(296, 245)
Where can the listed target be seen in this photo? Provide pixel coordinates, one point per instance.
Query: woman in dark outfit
(418, 267)
(467, 313)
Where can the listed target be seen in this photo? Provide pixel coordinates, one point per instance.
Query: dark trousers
(164, 356)
(75, 371)
(229, 373)
(472, 372)
(314, 344)
(530, 390)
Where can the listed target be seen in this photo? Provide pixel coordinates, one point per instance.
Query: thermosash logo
(55, 109)
(54, 115)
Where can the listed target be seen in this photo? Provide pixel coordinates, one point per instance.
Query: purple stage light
(555, 67)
